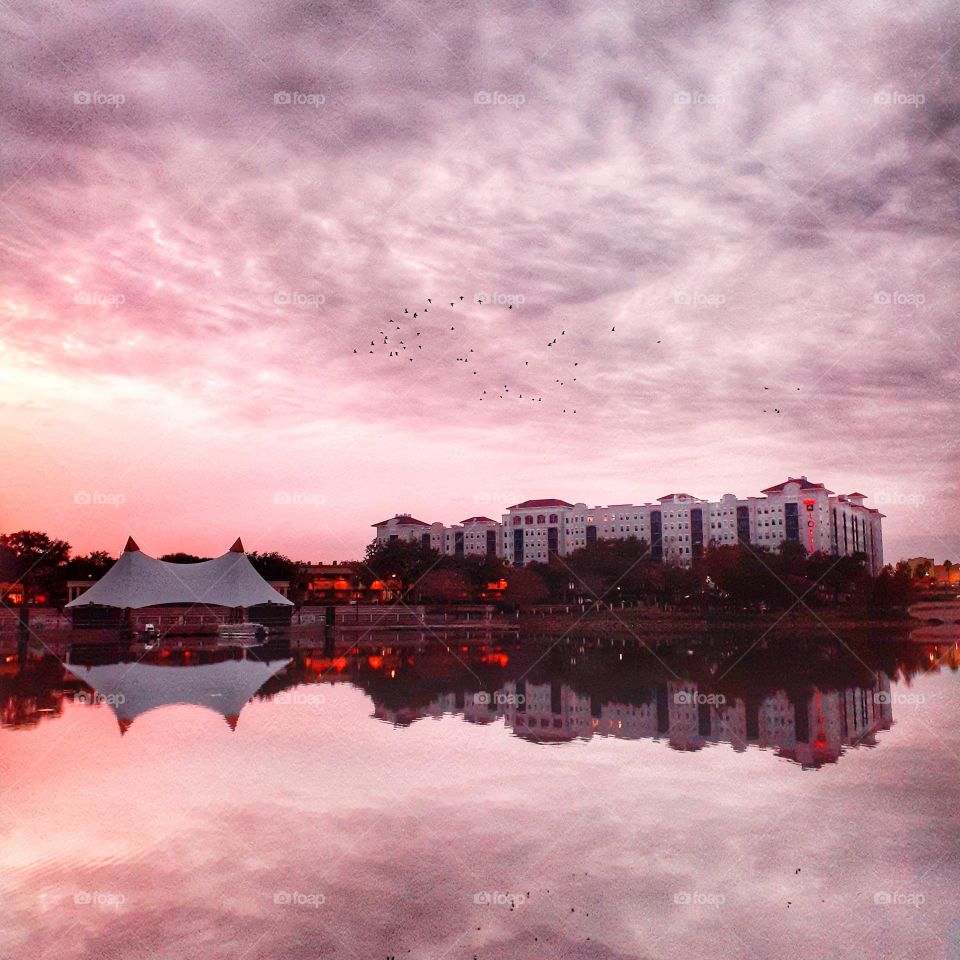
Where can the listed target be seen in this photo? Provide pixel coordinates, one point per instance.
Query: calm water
(543, 800)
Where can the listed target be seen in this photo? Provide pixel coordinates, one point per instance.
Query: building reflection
(804, 701)
(811, 732)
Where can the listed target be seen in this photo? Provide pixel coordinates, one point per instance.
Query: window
(516, 521)
(528, 520)
(553, 518)
(541, 518)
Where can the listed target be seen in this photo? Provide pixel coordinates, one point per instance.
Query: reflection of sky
(199, 827)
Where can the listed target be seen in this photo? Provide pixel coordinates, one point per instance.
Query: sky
(206, 208)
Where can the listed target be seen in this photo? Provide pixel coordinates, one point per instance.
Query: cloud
(219, 203)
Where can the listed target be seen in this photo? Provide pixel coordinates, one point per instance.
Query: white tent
(133, 689)
(137, 580)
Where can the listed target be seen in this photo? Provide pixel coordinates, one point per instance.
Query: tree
(524, 586)
(90, 567)
(406, 560)
(35, 560)
(610, 569)
(273, 565)
(443, 586)
(183, 558)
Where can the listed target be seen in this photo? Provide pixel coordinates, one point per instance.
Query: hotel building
(678, 527)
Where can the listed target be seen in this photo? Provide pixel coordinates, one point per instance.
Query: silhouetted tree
(406, 560)
(92, 566)
(443, 586)
(35, 560)
(524, 586)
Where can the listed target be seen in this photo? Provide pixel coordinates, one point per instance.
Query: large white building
(678, 527)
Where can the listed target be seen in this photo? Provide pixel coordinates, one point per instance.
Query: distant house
(341, 583)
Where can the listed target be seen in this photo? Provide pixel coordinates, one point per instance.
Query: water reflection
(806, 701)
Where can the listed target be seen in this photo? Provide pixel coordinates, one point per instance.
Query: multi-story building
(678, 527)
(475, 536)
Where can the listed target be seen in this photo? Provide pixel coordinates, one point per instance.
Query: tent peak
(131, 546)
(237, 546)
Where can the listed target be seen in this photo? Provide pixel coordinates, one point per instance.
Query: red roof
(402, 520)
(476, 520)
(532, 504)
(677, 496)
(805, 484)
(861, 495)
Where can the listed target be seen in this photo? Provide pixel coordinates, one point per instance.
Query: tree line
(606, 572)
(43, 565)
(731, 577)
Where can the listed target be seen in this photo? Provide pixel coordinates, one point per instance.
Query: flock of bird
(421, 329)
(409, 345)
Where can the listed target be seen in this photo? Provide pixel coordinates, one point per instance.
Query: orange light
(375, 662)
(500, 659)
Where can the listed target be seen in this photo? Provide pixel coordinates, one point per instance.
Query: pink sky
(769, 191)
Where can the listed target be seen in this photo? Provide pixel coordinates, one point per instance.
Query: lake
(444, 797)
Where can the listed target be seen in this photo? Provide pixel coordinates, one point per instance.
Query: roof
(862, 496)
(805, 484)
(137, 580)
(403, 520)
(476, 520)
(677, 496)
(532, 504)
(133, 689)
